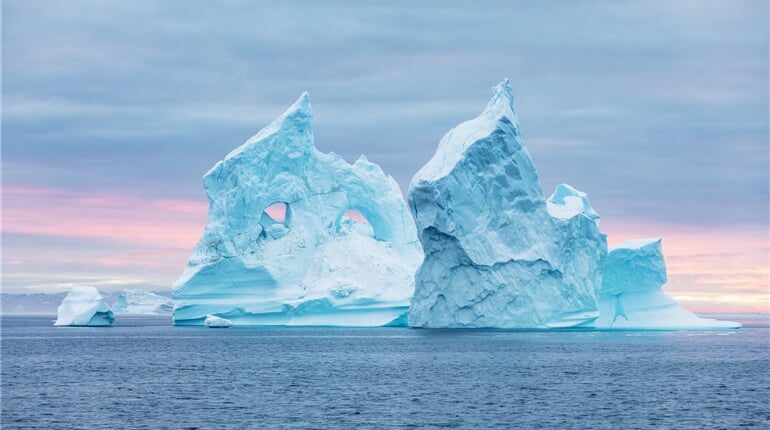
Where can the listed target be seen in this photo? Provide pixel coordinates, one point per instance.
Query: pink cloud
(709, 270)
(119, 218)
(14, 262)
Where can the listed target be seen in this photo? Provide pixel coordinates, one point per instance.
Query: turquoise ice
(497, 254)
(314, 261)
(631, 295)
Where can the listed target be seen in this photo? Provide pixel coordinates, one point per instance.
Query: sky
(112, 111)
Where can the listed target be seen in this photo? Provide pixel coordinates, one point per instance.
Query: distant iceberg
(142, 302)
(631, 296)
(84, 306)
(298, 237)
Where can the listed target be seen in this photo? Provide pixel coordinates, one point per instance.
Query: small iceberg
(84, 307)
(216, 322)
(631, 297)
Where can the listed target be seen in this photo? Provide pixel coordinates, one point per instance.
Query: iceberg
(142, 302)
(84, 306)
(298, 237)
(631, 297)
(213, 321)
(497, 253)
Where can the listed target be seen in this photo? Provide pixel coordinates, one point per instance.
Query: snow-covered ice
(216, 322)
(298, 237)
(132, 301)
(631, 296)
(84, 306)
(497, 254)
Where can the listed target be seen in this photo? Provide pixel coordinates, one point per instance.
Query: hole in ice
(355, 215)
(352, 220)
(276, 212)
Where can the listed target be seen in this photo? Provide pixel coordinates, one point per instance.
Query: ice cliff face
(142, 302)
(284, 242)
(84, 306)
(631, 298)
(497, 254)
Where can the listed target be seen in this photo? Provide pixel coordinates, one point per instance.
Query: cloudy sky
(113, 110)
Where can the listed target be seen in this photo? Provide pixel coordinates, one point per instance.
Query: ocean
(145, 374)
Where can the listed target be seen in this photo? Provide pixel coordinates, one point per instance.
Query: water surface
(144, 373)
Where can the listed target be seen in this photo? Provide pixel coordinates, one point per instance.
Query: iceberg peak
(501, 103)
(296, 121)
(497, 121)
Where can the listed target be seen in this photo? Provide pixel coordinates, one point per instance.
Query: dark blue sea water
(143, 373)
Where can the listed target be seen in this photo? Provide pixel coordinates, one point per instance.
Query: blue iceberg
(298, 237)
(631, 295)
(497, 253)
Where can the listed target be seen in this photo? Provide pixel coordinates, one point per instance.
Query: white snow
(637, 243)
(451, 149)
(216, 322)
(567, 202)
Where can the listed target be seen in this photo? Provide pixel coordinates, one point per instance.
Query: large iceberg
(497, 253)
(132, 301)
(84, 306)
(298, 237)
(631, 298)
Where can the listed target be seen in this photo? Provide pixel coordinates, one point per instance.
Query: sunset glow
(147, 242)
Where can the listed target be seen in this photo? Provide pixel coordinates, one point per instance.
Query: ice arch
(251, 268)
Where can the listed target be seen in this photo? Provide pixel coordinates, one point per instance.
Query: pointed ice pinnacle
(501, 103)
(308, 268)
(494, 256)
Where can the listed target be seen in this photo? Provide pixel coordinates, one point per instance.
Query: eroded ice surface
(631, 296)
(284, 243)
(84, 306)
(497, 254)
(132, 301)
